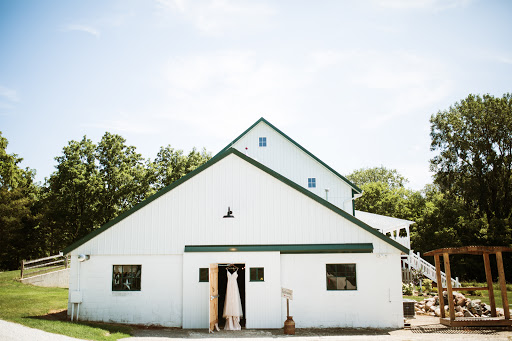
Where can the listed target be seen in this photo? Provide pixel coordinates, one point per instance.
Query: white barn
(150, 264)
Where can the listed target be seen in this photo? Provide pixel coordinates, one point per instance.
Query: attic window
(263, 142)
(311, 182)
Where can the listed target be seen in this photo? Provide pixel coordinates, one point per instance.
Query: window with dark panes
(203, 275)
(341, 276)
(256, 275)
(126, 277)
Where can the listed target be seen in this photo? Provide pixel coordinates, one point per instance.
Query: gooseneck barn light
(230, 214)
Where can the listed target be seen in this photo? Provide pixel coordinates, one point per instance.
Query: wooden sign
(287, 293)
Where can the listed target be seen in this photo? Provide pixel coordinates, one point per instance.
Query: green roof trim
(351, 184)
(255, 163)
(321, 201)
(140, 205)
(285, 248)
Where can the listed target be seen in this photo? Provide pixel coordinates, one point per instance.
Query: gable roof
(351, 184)
(211, 162)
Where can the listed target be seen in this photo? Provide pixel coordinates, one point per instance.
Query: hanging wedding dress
(233, 304)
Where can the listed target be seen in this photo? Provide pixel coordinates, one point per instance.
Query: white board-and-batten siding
(266, 210)
(374, 304)
(159, 302)
(262, 299)
(287, 159)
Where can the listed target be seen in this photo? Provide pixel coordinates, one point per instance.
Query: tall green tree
(473, 141)
(171, 164)
(390, 177)
(124, 176)
(384, 193)
(72, 197)
(18, 218)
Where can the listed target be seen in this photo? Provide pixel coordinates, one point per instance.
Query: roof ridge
(262, 119)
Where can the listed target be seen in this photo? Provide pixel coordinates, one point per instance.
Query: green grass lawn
(39, 308)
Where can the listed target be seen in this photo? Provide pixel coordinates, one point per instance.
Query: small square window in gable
(311, 182)
(263, 142)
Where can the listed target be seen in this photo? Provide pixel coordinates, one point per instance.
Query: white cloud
(226, 90)
(9, 94)
(405, 82)
(214, 17)
(83, 28)
(433, 5)
(130, 123)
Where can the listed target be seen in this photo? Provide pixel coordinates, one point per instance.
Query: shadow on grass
(62, 316)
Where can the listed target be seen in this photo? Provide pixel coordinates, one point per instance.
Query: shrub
(427, 283)
(407, 289)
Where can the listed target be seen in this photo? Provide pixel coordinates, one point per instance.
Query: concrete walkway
(10, 331)
(423, 328)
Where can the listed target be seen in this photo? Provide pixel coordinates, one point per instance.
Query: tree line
(470, 200)
(468, 203)
(92, 184)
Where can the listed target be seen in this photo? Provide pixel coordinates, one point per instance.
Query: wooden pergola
(453, 321)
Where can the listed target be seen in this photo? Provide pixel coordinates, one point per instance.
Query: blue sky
(354, 82)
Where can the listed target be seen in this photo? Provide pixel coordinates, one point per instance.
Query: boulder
(438, 312)
(459, 314)
(467, 313)
(460, 300)
(429, 304)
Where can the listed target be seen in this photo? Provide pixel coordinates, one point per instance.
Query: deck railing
(414, 261)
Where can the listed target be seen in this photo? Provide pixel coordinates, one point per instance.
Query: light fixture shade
(230, 214)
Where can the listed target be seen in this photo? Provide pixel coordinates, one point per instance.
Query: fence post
(65, 262)
(22, 266)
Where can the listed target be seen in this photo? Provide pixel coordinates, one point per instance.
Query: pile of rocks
(464, 307)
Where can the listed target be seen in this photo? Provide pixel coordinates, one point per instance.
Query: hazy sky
(354, 82)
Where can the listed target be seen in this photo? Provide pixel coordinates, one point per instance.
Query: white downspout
(356, 196)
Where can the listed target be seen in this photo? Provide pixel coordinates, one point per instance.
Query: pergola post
(449, 297)
(488, 277)
(503, 285)
(439, 284)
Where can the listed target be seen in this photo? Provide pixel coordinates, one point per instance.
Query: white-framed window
(341, 276)
(263, 142)
(311, 182)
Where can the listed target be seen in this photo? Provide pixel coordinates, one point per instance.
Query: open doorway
(223, 283)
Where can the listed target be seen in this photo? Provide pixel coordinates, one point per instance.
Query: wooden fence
(407, 276)
(39, 266)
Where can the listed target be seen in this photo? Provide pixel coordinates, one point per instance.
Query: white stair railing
(414, 261)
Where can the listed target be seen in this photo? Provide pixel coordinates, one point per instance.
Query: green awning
(285, 248)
